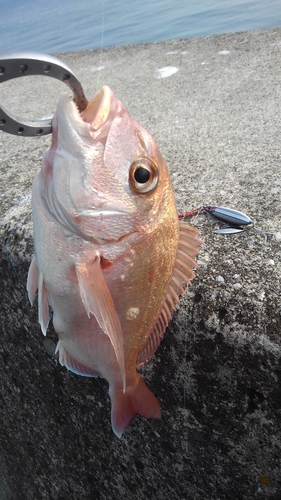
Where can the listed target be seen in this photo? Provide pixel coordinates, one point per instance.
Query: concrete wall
(217, 373)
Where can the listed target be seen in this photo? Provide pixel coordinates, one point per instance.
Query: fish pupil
(141, 175)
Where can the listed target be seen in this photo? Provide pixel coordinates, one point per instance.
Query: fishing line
(152, 429)
(101, 45)
(101, 386)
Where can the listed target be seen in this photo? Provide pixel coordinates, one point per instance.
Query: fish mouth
(97, 117)
(82, 137)
(100, 109)
(102, 212)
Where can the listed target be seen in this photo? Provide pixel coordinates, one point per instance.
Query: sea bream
(110, 255)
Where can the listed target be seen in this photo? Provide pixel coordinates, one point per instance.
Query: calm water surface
(67, 25)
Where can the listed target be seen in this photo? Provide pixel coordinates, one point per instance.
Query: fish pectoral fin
(182, 274)
(98, 301)
(35, 281)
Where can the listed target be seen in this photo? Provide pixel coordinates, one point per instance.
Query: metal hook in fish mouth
(18, 64)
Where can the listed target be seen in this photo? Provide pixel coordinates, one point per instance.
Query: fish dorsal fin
(182, 274)
(97, 300)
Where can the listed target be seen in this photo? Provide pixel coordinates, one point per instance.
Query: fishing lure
(228, 215)
(223, 214)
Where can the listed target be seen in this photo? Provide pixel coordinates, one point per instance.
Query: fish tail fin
(137, 399)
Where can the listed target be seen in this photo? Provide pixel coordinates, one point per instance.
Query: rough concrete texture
(217, 373)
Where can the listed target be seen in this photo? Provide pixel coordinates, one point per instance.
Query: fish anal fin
(32, 281)
(182, 274)
(72, 364)
(137, 400)
(98, 301)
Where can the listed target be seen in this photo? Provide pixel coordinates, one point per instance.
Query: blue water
(67, 25)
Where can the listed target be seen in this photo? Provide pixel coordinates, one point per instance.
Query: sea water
(66, 25)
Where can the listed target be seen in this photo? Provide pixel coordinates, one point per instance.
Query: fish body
(110, 256)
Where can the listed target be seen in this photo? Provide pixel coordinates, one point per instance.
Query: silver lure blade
(228, 230)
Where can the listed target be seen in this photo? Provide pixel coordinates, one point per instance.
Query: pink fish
(110, 255)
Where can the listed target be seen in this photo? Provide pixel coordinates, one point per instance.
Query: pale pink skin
(87, 215)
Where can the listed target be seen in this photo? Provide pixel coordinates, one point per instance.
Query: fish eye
(143, 175)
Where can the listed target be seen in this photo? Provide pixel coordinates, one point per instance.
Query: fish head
(108, 177)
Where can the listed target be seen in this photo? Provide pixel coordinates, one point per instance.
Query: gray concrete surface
(217, 373)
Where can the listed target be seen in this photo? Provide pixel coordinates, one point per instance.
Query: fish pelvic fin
(32, 281)
(35, 281)
(137, 400)
(43, 305)
(98, 301)
(182, 274)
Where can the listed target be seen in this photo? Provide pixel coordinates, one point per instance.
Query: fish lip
(97, 116)
(69, 115)
(99, 108)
